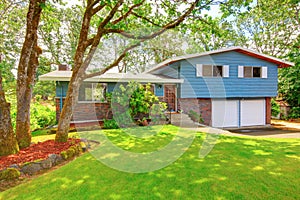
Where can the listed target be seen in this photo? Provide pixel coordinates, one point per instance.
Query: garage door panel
(253, 112)
(225, 113)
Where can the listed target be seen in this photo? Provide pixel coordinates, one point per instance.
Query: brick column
(268, 110)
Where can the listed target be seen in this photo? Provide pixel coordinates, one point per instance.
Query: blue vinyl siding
(170, 70)
(61, 88)
(159, 90)
(213, 87)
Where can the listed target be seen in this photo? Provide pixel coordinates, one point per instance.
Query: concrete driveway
(278, 129)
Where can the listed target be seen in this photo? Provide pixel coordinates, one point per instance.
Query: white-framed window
(252, 72)
(92, 92)
(204, 70)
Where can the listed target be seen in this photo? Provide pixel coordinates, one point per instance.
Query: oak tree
(118, 17)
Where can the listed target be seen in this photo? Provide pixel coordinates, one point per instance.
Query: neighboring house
(229, 87)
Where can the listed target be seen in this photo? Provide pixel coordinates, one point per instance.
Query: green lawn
(236, 168)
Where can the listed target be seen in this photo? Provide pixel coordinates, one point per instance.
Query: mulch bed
(37, 151)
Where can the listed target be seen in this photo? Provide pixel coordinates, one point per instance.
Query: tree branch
(167, 26)
(90, 4)
(123, 17)
(111, 14)
(146, 19)
(97, 9)
(115, 63)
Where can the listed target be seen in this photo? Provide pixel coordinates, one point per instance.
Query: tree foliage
(272, 28)
(135, 101)
(59, 32)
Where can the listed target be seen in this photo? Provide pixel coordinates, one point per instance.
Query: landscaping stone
(31, 168)
(46, 164)
(52, 157)
(9, 174)
(15, 166)
(58, 160)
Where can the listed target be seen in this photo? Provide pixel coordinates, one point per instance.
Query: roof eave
(114, 80)
(279, 62)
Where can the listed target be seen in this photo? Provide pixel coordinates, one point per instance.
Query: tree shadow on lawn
(236, 168)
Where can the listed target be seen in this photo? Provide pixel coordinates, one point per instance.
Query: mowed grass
(236, 168)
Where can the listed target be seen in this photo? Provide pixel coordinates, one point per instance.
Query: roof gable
(279, 62)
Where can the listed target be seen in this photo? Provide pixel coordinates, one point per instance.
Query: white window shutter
(199, 68)
(264, 72)
(225, 71)
(241, 71)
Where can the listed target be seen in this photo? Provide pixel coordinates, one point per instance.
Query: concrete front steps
(182, 120)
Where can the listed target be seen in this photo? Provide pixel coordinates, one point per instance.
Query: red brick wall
(199, 105)
(268, 110)
(87, 111)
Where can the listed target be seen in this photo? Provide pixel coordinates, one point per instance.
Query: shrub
(135, 101)
(41, 116)
(110, 124)
(195, 116)
(294, 113)
(275, 110)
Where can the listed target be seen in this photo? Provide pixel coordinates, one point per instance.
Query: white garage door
(225, 113)
(253, 112)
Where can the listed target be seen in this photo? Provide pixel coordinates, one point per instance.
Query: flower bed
(37, 157)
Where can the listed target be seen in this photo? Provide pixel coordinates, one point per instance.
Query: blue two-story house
(229, 87)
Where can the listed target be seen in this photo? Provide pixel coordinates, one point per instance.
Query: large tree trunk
(76, 79)
(26, 73)
(8, 142)
(66, 113)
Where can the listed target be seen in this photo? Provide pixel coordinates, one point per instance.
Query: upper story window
(92, 92)
(212, 70)
(252, 72)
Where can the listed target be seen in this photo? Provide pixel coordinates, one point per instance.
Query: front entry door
(170, 96)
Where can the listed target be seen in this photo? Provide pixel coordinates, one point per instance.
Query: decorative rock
(52, 157)
(9, 174)
(31, 168)
(58, 160)
(46, 164)
(83, 146)
(15, 166)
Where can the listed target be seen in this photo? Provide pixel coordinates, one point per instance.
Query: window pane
(248, 72)
(256, 71)
(218, 70)
(85, 91)
(88, 93)
(81, 96)
(207, 70)
(99, 91)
